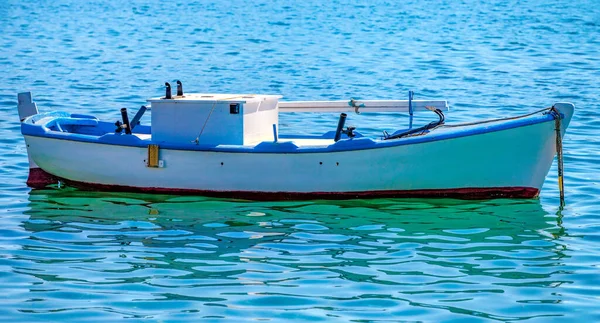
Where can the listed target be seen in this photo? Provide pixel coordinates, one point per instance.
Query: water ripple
(416, 256)
(79, 256)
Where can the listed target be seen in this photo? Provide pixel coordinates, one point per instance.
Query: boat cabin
(214, 119)
(249, 119)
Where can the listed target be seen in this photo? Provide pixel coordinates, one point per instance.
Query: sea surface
(74, 256)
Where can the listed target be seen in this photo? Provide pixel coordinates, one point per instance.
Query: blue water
(71, 256)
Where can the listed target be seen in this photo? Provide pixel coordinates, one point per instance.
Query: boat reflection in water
(138, 255)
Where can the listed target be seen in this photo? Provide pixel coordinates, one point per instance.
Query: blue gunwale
(38, 126)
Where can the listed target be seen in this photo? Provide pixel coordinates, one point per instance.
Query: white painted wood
(259, 118)
(216, 98)
(142, 136)
(25, 105)
(519, 157)
(207, 119)
(308, 142)
(364, 106)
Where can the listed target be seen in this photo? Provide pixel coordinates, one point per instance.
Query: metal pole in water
(559, 157)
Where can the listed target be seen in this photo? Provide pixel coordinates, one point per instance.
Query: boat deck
(309, 142)
(300, 142)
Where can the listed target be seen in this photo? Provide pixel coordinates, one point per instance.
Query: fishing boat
(229, 145)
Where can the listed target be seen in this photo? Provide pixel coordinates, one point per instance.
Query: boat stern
(38, 178)
(26, 106)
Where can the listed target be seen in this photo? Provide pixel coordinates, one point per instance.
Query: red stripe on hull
(458, 193)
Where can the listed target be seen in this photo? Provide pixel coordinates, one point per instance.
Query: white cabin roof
(217, 98)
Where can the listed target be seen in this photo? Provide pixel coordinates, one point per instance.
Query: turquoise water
(73, 256)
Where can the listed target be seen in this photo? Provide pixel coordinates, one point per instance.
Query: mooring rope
(559, 154)
(197, 140)
(493, 120)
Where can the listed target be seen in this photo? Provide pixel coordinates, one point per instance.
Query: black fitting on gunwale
(168, 91)
(179, 88)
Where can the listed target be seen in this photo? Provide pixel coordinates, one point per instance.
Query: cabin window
(234, 108)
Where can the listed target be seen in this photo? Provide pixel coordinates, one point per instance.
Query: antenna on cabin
(179, 88)
(168, 91)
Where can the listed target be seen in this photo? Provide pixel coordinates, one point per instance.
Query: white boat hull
(507, 163)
